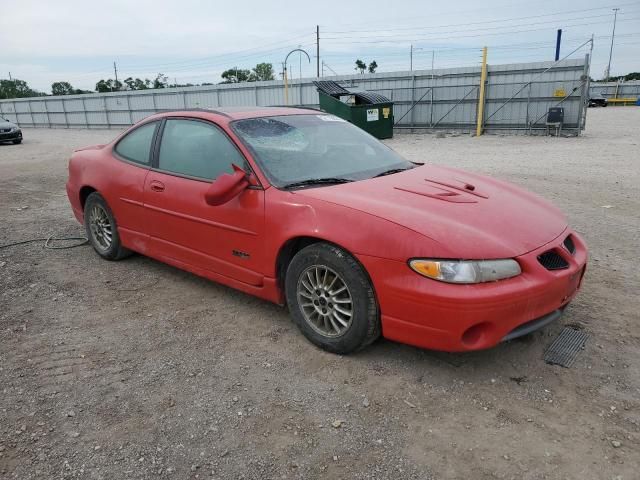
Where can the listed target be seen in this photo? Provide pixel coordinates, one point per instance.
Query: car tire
(331, 299)
(18, 141)
(101, 228)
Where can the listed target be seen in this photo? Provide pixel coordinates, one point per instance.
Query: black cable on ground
(48, 242)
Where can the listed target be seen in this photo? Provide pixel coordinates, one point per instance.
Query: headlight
(466, 271)
(15, 129)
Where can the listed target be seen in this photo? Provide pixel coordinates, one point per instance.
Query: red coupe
(299, 207)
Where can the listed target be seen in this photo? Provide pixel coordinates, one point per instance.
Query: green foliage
(626, 78)
(17, 89)
(62, 88)
(108, 85)
(620, 78)
(235, 75)
(362, 66)
(161, 81)
(137, 83)
(262, 72)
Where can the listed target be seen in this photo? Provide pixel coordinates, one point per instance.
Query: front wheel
(101, 228)
(17, 141)
(331, 299)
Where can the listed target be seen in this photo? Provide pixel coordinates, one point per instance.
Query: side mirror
(226, 187)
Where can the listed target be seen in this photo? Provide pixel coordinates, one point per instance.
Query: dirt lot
(134, 369)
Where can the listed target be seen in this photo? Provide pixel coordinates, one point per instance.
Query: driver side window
(197, 149)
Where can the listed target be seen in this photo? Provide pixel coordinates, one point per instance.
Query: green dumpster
(368, 110)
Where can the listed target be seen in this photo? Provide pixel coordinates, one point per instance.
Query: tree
(62, 88)
(360, 65)
(137, 84)
(235, 75)
(372, 67)
(626, 78)
(108, 85)
(160, 81)
(17, 89)
(262, 72)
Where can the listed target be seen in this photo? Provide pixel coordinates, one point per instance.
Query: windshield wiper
(392, 171)
(317, 181)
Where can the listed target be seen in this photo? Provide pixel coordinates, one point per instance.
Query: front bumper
(10, 136)
(441, 316)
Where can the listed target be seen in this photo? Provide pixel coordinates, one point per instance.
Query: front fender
(289, 216)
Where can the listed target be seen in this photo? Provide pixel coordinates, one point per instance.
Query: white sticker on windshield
(330, 118)
(372, 115)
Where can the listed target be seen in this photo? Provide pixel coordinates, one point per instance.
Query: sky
(194, 41)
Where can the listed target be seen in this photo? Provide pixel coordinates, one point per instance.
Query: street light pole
(613, 35)
(286, 83)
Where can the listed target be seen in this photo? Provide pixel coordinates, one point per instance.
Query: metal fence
(630, 89)
(518, 97)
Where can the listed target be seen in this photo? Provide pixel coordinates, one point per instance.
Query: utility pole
(317, 50)
(483, 81)
(613, 35)
(411, 57)
(115, 71)
(10, 79)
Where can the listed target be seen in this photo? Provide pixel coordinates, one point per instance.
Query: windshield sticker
(330, 118)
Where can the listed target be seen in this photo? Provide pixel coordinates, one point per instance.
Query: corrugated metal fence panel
(445, 98)
(628, 89)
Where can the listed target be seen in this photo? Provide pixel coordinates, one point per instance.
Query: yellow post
(286, 88)
(483, 80)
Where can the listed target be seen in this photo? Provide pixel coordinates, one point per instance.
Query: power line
(510, 32)
(208, 59)
(567, 12)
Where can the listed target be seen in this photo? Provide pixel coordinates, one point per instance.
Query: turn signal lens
(428, 268)
(466, 271)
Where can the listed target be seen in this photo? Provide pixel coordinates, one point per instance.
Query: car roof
(238, 113)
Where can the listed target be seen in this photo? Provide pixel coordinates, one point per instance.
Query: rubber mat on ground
(565, 348)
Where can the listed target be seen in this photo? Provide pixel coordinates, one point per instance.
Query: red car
(302, 208)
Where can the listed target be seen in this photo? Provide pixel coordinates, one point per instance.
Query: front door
(226, 239)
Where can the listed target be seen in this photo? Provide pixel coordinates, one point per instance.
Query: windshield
(296, 148)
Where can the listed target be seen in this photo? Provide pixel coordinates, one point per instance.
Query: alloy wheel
(100, 226)
(325, 301)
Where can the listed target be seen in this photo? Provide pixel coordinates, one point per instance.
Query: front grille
(552, 260)
(5, 130)
(569, 245)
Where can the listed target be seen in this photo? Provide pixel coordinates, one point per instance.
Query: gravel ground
(133, 369)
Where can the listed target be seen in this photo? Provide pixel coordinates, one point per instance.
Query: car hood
(468, 215)
(4, 125)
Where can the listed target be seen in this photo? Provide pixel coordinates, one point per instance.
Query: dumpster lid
(371, 98)
(331, 88)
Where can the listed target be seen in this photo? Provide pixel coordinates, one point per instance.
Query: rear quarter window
(136, 145)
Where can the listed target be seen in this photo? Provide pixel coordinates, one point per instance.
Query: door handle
(157, 186)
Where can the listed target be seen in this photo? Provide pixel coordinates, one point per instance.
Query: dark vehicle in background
(597, 100)
(9, 132)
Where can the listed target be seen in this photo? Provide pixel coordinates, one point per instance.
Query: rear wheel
(101, 228)
(331, 299)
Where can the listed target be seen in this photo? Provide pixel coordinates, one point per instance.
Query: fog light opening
(476, 335)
